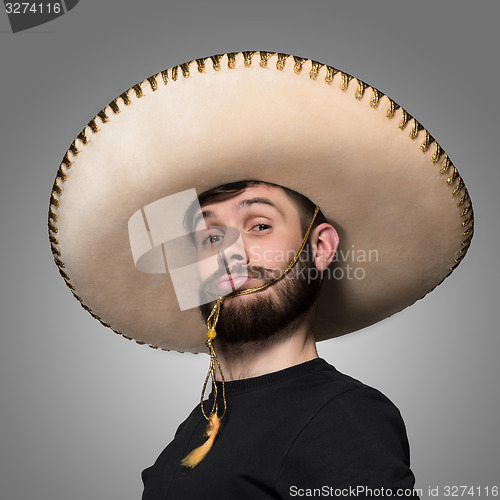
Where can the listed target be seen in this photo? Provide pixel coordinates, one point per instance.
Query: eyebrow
(247, 203)
(259, 201)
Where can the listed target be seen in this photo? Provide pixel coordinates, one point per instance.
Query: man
(292, 422)
(270, 275)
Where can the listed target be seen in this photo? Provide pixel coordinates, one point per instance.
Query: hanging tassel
(198, 454)
(213, 427)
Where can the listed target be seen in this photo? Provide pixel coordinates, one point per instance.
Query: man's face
(269, 226)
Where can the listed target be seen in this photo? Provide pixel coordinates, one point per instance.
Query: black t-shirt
(308, 430)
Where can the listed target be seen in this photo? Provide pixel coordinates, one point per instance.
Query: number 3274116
(33, 8)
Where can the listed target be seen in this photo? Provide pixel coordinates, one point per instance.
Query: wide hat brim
(402, 211)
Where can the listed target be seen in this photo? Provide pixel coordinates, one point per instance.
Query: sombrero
(402, 211)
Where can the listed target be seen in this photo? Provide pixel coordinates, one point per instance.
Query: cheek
(271, 255)
(207, 267)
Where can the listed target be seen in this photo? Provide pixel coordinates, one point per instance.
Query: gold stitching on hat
(52, 227)
(66, 161)
(330, 74)
(458, 187)
(453, 176)
(231, 60)
(201, 64)
(360, 92)
(375, 100)
(153, 83)
(103, 116)
(54, 201)
(83, 137)
(299, 61)
(66, 278)
(466, 210)
(138, 90)
(216, 61)
(264, 57)
(58, 189)
(427, 142)
(315, 67)
(393, 107)
(467, 241)
(114, 107)
(404, 120)
(52, 214)
(61, 175)
(469, 230)
(445, 166)
(344, 85)
(437, 154)
(175, 73)
(73, 149)
(185, 69)
(462, 200)
(164, 76)
(93, 126)
(415, 130)
(247, 56)
(125, 98)
(280, 63)
(53, 239)
(59, 263)
(467, 221)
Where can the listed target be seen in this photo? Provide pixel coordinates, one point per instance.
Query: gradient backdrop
(82, 410)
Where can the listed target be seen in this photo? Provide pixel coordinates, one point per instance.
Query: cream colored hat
(402, 211)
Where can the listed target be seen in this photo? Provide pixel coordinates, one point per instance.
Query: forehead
(265, 197)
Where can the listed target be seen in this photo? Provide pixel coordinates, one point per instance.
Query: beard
(268, 316)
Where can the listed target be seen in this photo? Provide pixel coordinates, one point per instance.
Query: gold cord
(198, 454)
(214, 317)
(214, 363)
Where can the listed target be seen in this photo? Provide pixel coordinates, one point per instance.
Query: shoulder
(356, 436)
(352, 408)
(363, 418)
(347, 407)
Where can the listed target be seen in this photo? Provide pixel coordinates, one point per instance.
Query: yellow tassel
(198, 454)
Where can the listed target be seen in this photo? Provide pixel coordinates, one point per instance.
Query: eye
(208, 239)
(261, 227)
(212, 239)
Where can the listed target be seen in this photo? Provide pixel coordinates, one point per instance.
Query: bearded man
(158, 184)
(293, 422)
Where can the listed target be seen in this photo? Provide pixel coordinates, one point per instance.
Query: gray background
(83, 411)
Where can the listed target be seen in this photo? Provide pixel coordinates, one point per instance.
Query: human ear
(324, 241)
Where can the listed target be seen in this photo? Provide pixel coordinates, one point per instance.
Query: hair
(227, 191)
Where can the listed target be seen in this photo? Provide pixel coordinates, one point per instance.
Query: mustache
(255, 272)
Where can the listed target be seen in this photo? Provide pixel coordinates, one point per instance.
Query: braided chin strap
(198, 454)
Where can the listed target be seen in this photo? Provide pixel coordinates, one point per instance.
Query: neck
(255, 359)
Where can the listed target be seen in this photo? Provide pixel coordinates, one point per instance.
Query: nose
(233, 255)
